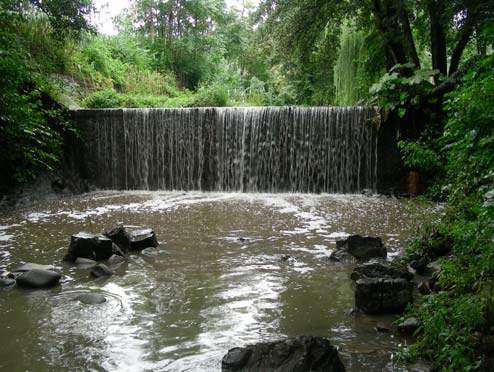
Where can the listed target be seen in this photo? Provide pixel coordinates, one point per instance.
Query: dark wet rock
(409, 326)
(142, 239)
(37, 278)
(120, 237)
(433, 268)
(363, 248)
(117, 250)
(86, 245)
(382, 295)
(367, 192)
(424, 287)
(6, 282)
(101, 271)
(419, 264)
(91, 298)
(241, 239)
(31, 266)
(84, 261)
(379, 268)
(383, 328)
(115, 260)
(439, 245)
(150, 252)
(296, 354)
(287, 258)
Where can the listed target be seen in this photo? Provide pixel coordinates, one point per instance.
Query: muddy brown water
(217, 282)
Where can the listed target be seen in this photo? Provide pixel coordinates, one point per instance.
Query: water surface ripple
(219, 280)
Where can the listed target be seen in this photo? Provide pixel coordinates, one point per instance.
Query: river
(219, 280)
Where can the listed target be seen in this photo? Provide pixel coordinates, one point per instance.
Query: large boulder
(382, 295)
(86, 245)
(120, 237)
(296, 354)
(141, 239)
(37, 278)
(382, 287)
(363, 248)
(379, 268)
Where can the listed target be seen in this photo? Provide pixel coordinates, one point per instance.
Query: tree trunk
(436, 10)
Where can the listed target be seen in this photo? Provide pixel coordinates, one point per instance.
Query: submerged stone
(6, 282)
(91, 298)
(30, 266)
(141, 239)
(101, 271)
(115, 260)
(150, 252)
(37, 278)
(84, 261)
(296, 354)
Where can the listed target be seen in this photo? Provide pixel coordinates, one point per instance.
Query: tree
(64, 16)
(447, 26)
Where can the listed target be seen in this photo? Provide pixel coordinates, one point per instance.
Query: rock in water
(409, 326)
(150, 252)
(296, 354)
(363, 248)
(120, 237)
(84, 261)
(142, 239)
(382, 295)
(378, 268)
(115, 260)
(382, 287)
(6, 282)
(30, 266)
(101, 271)
(91, 298)
(37, 278)
(87, 245)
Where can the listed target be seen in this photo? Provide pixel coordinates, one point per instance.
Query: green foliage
(457, 318)
(102, 63)
(418, 156)
(111, 99)
(349, 85)
(31, 123)
(214, 95)
(402, 88)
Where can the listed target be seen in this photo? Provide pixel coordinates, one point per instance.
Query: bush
(458, 319)
(214, 95)
(31, 122)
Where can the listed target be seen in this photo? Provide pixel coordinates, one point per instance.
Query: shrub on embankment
(457, 332)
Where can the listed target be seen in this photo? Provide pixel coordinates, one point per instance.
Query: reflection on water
(221, 279)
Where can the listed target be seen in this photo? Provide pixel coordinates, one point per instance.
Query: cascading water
(265, 149)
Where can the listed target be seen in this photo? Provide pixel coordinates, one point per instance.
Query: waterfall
(256, 149)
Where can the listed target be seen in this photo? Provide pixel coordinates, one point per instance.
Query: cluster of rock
(86, 250)
(30, 275)
(113, 246)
